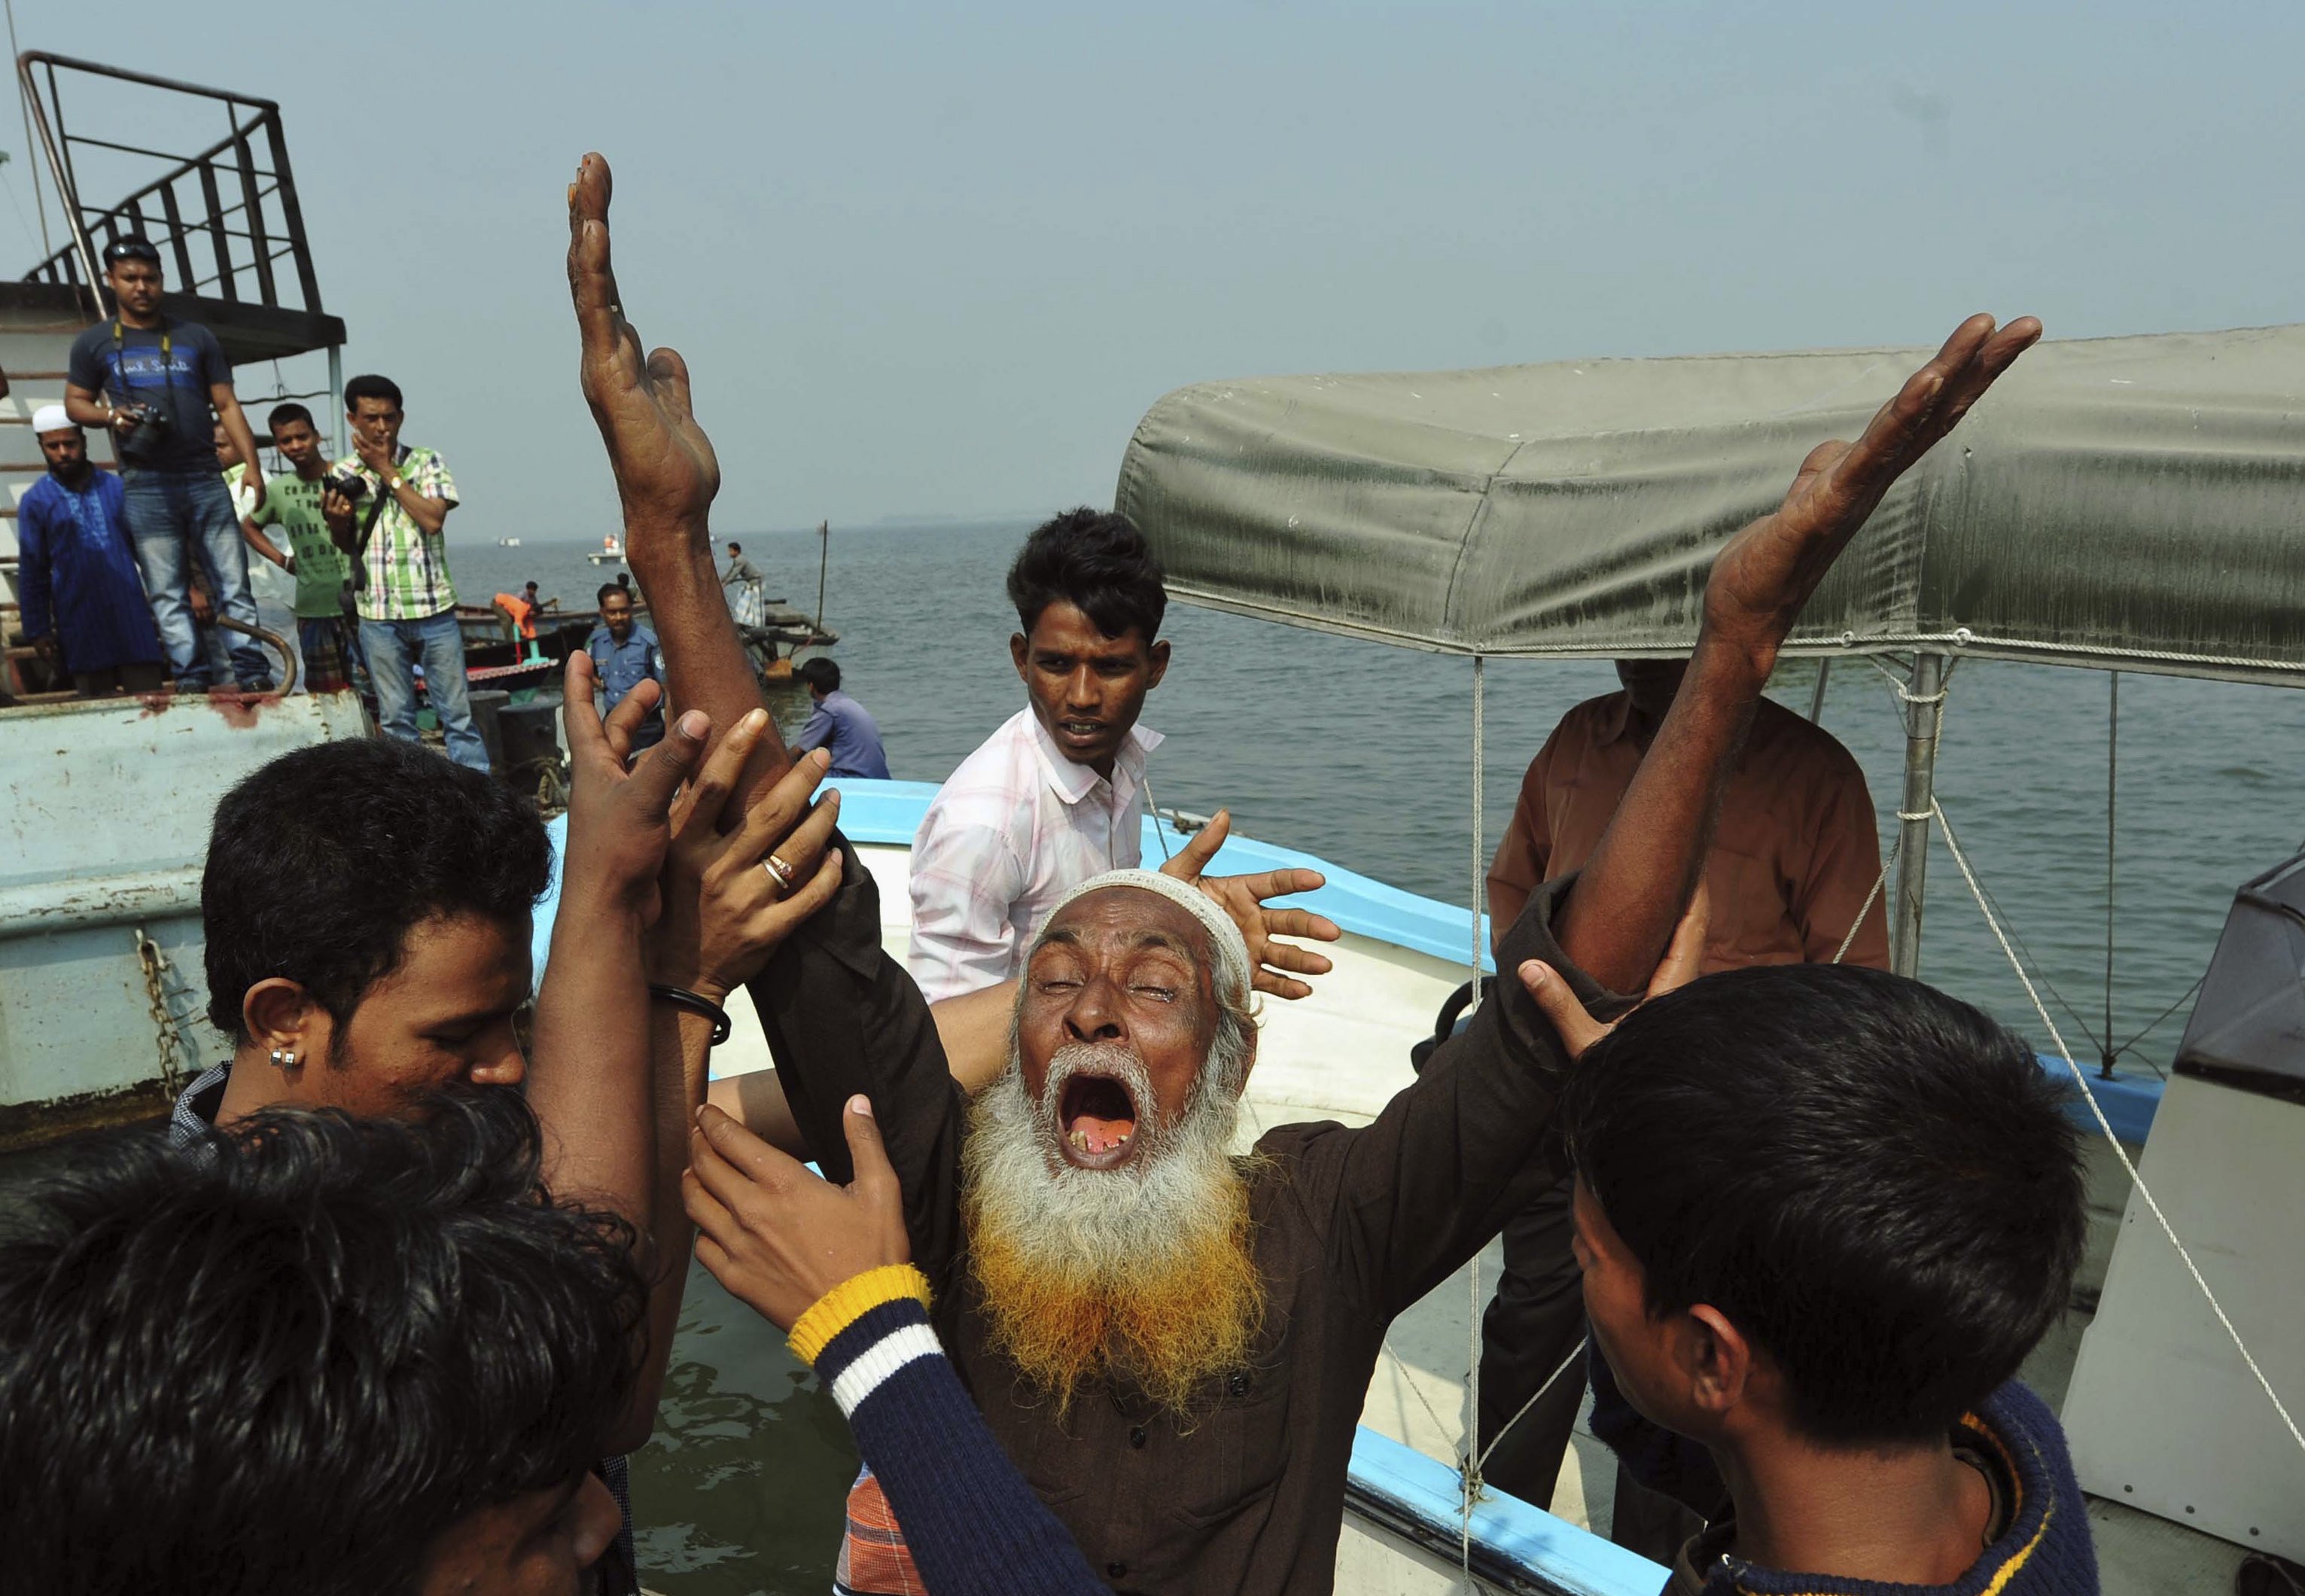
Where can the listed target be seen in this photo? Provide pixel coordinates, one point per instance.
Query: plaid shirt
(408, 575)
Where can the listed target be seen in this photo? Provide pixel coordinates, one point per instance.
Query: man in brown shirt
(1795, 855)
(1794, 858)
(1239, 1486)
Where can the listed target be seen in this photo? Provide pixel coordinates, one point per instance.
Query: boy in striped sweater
(1822, 1213)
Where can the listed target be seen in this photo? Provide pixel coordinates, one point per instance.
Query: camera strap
(368, 529)
(168, 365)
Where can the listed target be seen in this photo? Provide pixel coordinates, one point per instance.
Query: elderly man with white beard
(1174, 1344)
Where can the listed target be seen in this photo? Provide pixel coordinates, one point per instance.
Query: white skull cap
(1232, 971)
(51, 417)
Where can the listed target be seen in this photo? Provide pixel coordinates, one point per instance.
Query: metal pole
(1817, 700)
(336, 401)
(2112, 782)
(823, 557)
(1924, 713)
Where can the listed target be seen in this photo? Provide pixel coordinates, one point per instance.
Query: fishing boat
(611, 552)
(109, 800)
(2117, 505)
(507, 543)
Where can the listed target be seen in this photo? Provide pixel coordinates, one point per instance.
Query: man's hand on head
(1276, 965)
(619, 819)
(1767, 571)
(666, 473)
(778, 1237)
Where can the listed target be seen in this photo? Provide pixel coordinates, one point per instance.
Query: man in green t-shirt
(323, 572)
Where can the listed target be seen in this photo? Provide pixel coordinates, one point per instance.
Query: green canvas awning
(2123, 503)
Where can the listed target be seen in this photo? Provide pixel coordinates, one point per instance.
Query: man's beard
(1144, 1272)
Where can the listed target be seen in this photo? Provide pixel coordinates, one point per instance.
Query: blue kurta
(78, 576)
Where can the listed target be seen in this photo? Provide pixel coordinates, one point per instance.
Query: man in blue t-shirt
(151, 381)
(625, 654)
(841, 724)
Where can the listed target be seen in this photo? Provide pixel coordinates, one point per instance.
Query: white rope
(1879, 881)
(1994, 923)
(1153, 804)
(1471, 1457)
(1409, 1377)
(1566, 1364)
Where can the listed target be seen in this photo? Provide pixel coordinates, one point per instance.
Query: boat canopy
(2132, 504)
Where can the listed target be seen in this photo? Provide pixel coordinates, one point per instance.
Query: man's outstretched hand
(778, 1237)
(666, 470)
(1275, 964)
(1767, 571)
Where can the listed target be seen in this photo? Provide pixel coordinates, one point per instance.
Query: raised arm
(666, 475)
(723, 915)
(589, 1079)
(1631, 891)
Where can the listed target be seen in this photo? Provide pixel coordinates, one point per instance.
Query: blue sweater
(2045, 1551)
(972, 1526)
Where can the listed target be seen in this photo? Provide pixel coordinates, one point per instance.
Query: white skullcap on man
(51, 417)
(1232, 971)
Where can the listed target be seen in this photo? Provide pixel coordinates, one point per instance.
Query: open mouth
(1097, 1119)
(1081, 731)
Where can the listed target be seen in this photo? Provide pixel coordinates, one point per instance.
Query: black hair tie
(697, 1002)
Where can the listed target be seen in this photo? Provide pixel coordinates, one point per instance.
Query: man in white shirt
(1055, 796)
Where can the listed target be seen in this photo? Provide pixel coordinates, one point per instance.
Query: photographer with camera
(387, 505)
(150, 380)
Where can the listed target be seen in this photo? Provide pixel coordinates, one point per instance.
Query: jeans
(175, 514)
(436, 643)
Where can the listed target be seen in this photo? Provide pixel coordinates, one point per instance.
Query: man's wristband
(697, 1002)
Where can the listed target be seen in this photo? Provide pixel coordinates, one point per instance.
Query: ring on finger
(783, 874)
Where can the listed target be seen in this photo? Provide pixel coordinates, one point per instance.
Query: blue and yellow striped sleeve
(973, 1527)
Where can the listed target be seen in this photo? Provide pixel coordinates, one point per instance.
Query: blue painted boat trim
(1513, 1544)
(890, 811)
(2128, 1099)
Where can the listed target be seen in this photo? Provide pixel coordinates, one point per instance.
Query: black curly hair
(320, 862)
(1096, 561)
(285, 1358)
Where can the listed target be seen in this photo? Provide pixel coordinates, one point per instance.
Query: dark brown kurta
(1352, 1227)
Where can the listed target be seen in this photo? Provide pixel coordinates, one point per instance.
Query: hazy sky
(938, 261)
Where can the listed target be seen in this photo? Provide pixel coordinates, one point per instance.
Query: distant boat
(507, 543)
(610, 553)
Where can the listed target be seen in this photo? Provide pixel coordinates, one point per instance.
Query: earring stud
(283, 1059)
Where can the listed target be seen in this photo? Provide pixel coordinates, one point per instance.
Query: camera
(148, 431)
(349, 483)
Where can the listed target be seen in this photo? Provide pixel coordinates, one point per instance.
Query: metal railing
(223, 217)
